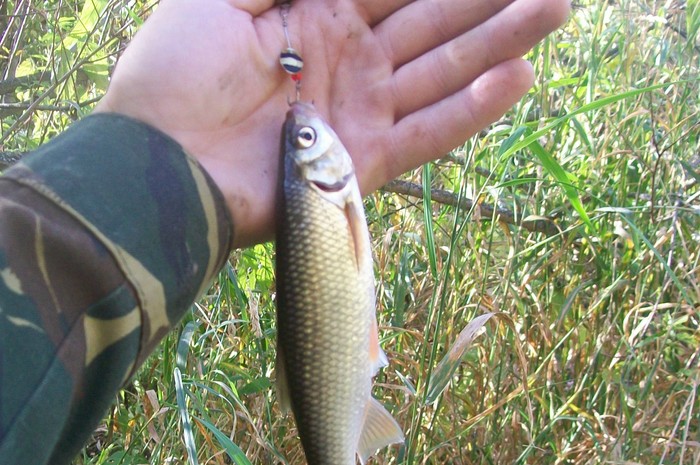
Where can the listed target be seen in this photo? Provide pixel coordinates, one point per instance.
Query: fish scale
(332, 332)
(327, 345)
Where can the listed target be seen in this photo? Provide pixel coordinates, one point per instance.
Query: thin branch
(543, 225)
(57, 83)
(9, 85)
(460, 160)
(11, 108)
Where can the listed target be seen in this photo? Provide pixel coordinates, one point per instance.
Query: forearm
(107, 235)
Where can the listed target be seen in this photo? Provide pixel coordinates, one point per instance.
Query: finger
(444, 70)
(374, 11)
(254, 7)
(424, 25)
(433, 131)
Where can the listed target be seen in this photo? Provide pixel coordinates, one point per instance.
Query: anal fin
(379, 430)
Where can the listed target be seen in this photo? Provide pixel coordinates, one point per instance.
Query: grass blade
(550, 164)
(187, 435)
(563, 179)
(670, 273)
(428, 219)
(183, 345)
(594, 105)
(448, 365)
(232, 450)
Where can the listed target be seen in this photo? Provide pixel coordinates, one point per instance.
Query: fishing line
(290, 59)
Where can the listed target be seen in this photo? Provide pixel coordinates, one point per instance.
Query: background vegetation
(588, 287)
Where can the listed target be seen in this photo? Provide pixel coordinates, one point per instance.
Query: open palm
(401, 81)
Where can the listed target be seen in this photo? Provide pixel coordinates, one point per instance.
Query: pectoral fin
(379, 430)
(283, 396)
(355, 214)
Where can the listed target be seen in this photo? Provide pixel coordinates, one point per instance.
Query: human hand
(402, 82)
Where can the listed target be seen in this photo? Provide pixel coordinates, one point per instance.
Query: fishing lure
(290, 59)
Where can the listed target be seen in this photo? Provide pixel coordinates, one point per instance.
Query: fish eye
(306, 137)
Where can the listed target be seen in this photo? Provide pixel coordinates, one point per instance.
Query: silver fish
(327, 344)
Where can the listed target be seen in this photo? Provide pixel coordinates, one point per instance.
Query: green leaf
(594, 105)
(406, 382)
(124, 458)
(234, 452)
(401, 289)
(183, 345)
(187, 434)
(563, 179)
(549, 162)
(511, 140)
(86, 22)
(257, 385)
(518, 182)
(692, 17)
(662, 261)
(98, 73)
(428, 219)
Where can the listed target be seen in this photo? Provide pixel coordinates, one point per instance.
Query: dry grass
(593, 354)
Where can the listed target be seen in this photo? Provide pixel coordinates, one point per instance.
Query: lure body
(291, 61)
(328, 349)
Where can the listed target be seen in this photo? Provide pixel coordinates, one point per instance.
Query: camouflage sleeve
(107, 235)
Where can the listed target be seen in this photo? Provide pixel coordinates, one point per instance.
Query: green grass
(593, 351)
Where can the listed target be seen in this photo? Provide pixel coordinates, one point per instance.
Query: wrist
(108, 105)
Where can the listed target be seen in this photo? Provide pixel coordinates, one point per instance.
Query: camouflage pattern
(107, 235)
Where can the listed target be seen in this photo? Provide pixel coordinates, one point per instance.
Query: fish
(327, 337)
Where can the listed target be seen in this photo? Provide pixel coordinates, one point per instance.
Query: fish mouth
(334, 187)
